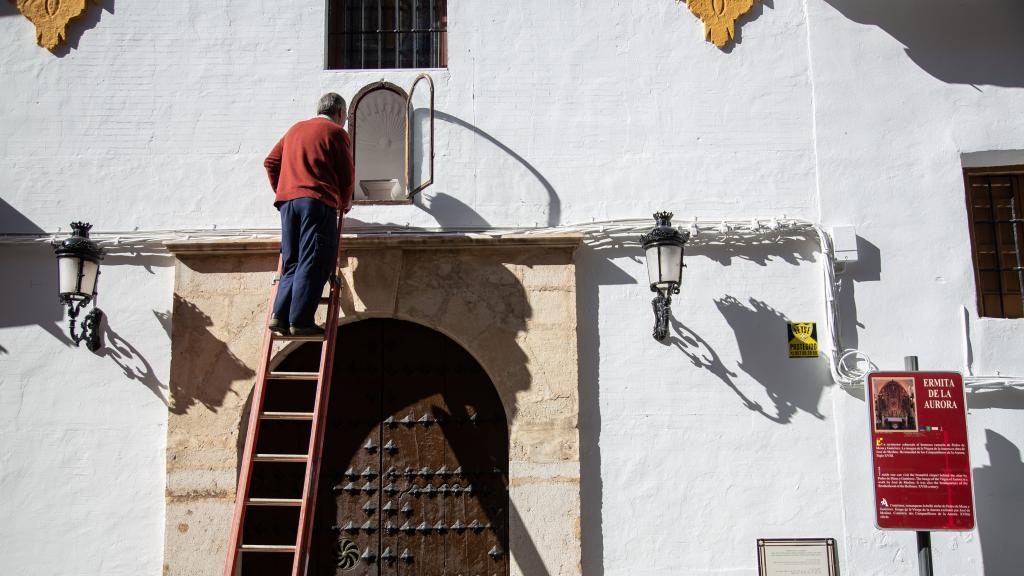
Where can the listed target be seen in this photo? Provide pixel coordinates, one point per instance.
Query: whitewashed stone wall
(845, 111)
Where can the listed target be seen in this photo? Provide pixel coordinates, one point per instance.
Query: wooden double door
(414, 475)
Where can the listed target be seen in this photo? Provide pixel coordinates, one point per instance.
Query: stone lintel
(404, 240)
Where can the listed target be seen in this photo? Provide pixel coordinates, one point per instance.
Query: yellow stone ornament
(51, 18)
(719, 17)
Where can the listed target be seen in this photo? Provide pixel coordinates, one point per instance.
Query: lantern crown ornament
(78, 269)
(663, 247)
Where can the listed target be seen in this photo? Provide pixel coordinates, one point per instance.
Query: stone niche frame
(510, 301)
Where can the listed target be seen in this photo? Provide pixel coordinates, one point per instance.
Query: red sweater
(313, 160)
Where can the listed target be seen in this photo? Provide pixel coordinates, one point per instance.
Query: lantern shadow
(703, 355)
(1000, 505)
(130, 360)
(793, 385)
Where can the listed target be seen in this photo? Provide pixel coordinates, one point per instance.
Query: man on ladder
(312, 174)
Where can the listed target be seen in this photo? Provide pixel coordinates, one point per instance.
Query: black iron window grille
(995, 202)
(367, 34)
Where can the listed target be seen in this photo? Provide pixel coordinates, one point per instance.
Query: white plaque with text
(797, 557)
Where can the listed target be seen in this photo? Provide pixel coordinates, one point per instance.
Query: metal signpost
(920, 460)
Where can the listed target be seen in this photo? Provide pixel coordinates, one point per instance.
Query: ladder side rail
(307, 511)
(252, 430)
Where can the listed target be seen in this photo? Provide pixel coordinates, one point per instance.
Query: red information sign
(920, 462)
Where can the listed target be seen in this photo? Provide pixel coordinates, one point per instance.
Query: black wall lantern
(78, 269)
(663, 247)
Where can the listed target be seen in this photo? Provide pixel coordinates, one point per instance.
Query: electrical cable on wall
(847, 366)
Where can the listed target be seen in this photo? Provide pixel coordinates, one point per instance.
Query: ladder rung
(294, 375)
(274, 501)
(287, 416)
(280, 458)
(290, 548)
(283, 338)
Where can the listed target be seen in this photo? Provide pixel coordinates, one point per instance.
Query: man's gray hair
(330, 104)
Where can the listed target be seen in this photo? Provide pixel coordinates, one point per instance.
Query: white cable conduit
(847, 366)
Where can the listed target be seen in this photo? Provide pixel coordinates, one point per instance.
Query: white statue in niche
(380, 146)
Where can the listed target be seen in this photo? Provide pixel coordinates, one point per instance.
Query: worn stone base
(510, 301)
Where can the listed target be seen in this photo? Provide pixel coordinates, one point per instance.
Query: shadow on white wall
(975, 42)
(87, 21)
(554, 204)
(792, 384)
(1000, 506)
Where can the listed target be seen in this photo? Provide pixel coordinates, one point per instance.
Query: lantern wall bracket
(662, 305)
(90, 326)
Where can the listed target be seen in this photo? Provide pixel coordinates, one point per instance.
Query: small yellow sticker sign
(803, 339)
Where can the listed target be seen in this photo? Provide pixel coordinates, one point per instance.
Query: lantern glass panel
(671, 258)
(90, 271)
(653, 267)
(664, 265)
(69, 268)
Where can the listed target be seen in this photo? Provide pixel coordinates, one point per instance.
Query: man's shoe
(278, 326)
(307, 331)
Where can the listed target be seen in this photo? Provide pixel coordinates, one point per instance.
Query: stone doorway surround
(510, 301)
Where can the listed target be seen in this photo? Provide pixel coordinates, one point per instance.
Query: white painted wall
(901, 92)
(845, 111)
(82, 435)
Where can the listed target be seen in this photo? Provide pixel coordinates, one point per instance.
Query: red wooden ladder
(270, 531)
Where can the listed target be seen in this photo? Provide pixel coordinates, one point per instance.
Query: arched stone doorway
(414, 475)
(510, 301)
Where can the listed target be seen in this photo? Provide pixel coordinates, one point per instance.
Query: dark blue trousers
(309, 249)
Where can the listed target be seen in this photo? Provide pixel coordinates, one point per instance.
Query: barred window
(994, 202)
(387, 34)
